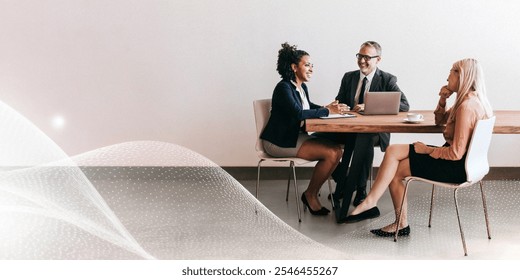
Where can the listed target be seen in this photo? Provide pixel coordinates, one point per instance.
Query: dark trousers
(358, 147)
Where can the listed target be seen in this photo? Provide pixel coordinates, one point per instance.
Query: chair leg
(258, 177)
(257, 182)
(398, 218)
(485, 209)
(330, 191)
(370, 175)
(296, 192)
(431, 206)
(288, 184)
(460, 225)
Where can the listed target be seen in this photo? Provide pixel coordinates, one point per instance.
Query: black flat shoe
(322, 212)
(402, 232)
(368, 214)
(361, 194)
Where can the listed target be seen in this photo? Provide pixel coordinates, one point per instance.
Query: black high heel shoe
(322, 212)
(402, 232)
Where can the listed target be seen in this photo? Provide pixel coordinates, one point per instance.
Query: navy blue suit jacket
(382, 81)
(287, 113)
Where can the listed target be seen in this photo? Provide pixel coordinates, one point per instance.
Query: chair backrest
(262, 109)
(477, 165)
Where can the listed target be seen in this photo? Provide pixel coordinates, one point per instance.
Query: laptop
(382, 103)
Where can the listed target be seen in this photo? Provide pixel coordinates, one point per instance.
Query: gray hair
(373, 44)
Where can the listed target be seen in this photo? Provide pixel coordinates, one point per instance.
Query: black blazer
(382, 81)
(287, 114)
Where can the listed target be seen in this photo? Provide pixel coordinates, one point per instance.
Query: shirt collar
(369, 76)
(296, 85)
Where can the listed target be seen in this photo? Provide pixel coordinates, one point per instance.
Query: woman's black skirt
(442, 170)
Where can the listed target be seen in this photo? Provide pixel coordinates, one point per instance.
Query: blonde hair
(471, 79)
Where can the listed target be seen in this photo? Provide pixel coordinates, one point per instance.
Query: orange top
(458, 132)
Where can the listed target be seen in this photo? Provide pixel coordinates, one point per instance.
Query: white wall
(186, 72)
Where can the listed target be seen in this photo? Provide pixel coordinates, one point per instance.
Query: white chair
(476, 166)
(262, 110)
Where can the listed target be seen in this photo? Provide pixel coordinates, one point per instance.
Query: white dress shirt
(360, 83)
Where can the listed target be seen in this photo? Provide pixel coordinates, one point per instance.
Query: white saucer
(409, 121)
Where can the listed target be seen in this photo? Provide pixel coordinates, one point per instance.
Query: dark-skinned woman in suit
(284, 134)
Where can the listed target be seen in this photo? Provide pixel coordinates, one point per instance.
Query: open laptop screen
(382, 103)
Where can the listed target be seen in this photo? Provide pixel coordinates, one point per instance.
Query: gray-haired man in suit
(360, 146)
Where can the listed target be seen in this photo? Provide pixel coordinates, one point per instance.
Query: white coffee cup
(414, 117)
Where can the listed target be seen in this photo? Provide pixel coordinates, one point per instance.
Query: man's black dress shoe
(341, 220)
(368, 214)
(402, 232)
(361, 194)
(322, 212)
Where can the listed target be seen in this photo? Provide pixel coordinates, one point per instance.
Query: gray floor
(441, 241)
(202, 213)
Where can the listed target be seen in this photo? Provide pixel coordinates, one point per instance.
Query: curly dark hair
(288, 55)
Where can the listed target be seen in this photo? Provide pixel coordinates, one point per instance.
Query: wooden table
(507, 122)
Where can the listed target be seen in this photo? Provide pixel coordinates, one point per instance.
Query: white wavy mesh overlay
(134, 200)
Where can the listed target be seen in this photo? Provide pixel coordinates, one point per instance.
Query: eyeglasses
(365, 57)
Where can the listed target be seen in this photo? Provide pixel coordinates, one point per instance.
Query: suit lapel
(296, 95)
(353, 88)
(376, 81)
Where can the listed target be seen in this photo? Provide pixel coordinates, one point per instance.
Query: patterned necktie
(362, 91)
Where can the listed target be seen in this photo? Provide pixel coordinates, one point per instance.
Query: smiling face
(303, 70)
(368, 58)
(453, 79)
